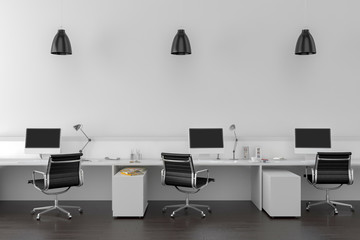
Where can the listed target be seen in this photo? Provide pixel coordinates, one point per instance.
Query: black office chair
(179, 172)
(331, 168)
(63, 171)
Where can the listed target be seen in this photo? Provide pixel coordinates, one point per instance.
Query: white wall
(122, 80)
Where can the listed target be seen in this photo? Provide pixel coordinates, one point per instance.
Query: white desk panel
(158, 162)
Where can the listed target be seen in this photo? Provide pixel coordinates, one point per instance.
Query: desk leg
(256, 186)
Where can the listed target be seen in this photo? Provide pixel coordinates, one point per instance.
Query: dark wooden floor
(229, 220)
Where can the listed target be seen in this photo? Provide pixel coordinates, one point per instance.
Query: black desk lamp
(233, 128)
(79, 127)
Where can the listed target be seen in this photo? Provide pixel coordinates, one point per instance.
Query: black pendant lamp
(61, 44)
(305, 44)
(181, 44)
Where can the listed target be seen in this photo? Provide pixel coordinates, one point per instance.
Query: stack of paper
(133, 171)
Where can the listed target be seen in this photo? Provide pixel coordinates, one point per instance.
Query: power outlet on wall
(245, 153)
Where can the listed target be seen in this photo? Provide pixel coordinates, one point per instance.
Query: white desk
(255, 167)
(158, 162)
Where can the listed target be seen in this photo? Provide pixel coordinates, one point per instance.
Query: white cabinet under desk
(129, 194)
(281, 193)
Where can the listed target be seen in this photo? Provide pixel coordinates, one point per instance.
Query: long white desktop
(256, 168)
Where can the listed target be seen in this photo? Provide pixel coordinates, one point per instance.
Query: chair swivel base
(186, 206)
(331, 203)
(56, 206)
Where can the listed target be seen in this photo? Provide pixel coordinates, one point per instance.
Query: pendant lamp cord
(182, 14)
(305, 14)
(62, 13)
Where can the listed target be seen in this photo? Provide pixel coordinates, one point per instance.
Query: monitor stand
(44, 156)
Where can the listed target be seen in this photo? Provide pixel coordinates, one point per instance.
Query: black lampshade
(305, 44)
(78, 126)
(61, 44)
(181, 44)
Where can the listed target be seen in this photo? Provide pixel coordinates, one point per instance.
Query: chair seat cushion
(329, 179)
(333, 179)
(201, 181)
(38, 182)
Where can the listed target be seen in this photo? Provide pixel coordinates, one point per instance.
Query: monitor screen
(42, 140)
(206, 140)
(312, 140)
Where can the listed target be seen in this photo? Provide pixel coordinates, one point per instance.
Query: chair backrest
(333, 168)
(179, 169)
(64, 170)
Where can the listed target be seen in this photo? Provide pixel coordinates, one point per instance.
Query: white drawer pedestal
(281, 193)
(129, 194)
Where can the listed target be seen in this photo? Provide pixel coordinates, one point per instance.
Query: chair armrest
(196, 175)
(81, 177)
(38, 172)
(163, 177)
(44, 178)
(313, 178)
(306, 171)
(351, 176)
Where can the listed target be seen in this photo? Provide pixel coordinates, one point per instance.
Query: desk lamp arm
(235, 145)
(88, 140)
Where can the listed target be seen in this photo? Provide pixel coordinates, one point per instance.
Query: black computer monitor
(42, 140)
(206, 140)
(312, 140)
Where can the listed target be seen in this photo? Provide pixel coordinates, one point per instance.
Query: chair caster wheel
(163, 210)
(352, 209)
(32, 212)
(80, 211)
(38, 217)
(203, 215)
(307, 206)
(69, 216)
(172, 215)
(209, 210)
(336, 211)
